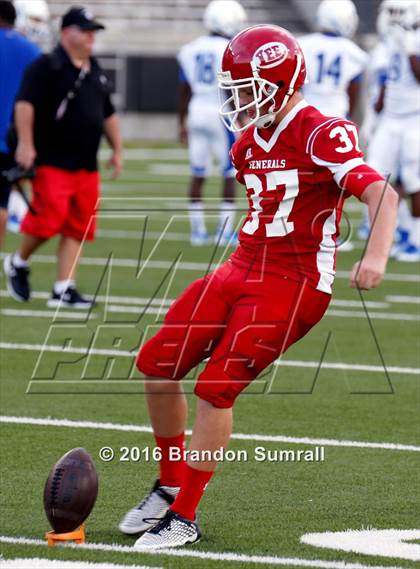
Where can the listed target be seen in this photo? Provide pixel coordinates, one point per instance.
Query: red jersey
(297, 175)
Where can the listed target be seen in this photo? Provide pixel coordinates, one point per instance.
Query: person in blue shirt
(16, 53)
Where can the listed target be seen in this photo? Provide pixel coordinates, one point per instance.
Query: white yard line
(121, 309)
(41, 563)
(236, 436)
(403, 299)
(184, 237)
(148, 154)
(138, 235)
(141, 301)
(348, 367)
(166, 169)
(357, 303)
(374, 315)
(205, 555)
(190, 266)
(53, 314)
(158, 301)
(283, 363)
(173, 236)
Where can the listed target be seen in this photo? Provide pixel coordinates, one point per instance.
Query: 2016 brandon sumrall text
(258, 454)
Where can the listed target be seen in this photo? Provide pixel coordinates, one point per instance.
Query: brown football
(70, 491)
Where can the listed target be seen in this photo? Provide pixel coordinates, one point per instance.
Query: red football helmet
(266, 59)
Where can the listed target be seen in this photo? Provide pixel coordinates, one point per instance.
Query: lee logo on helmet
(270, 55)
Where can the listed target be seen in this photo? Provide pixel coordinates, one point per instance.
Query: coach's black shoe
(17, 279)
(70, 298)
(172, 531)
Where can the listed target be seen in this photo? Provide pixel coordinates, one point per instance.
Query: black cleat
(70, 298)
(17, 279)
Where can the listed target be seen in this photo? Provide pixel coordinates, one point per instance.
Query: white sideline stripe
(41, 563)
(191, 266)
(53, 314)
(404, 299)
(281, 362)
(237, 436)
(374, 315)
(207, 555)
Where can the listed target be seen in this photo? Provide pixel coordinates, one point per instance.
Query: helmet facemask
(263, 92)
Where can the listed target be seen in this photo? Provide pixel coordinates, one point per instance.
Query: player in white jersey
(376, 77)
(34, 22)
(334, 62)
(199, 120)
(395, 147)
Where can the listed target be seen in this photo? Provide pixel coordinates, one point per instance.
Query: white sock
(18, 261)
(62, 286)
(404, 219)
(415, 231)
(227, 217)
(196, 211)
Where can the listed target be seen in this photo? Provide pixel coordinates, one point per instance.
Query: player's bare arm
(382, 202)
(353, 92)
(415, 66)
(24, 119)
(185, 94)
(113, 135)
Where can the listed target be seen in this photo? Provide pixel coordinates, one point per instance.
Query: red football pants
(239, 319)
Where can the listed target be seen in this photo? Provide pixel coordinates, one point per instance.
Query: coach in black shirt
(62, 109)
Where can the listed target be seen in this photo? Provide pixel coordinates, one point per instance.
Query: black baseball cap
(82, 18)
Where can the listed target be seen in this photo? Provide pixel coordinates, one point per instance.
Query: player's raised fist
(367, 273)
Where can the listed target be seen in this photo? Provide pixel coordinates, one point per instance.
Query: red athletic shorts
(239, 319)
(65, 203)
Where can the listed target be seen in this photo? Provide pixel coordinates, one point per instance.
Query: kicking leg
(211, 432)
(167, 406)
(168, 410)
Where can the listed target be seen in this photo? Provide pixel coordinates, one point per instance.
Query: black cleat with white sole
(172, 531)
(17, 280)
(70, 298)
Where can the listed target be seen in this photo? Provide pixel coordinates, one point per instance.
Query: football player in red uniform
(298, 166)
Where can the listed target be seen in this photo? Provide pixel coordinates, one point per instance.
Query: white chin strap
(265, 120)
